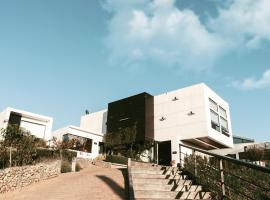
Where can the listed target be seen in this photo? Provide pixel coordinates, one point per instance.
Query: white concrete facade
(95, 121)
(38, 125)
(80, 132)
(184, 115)
(180, 116)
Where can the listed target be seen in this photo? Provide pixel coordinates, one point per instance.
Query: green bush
(78, 167)
(117, 159)
(65, 167)
(26, 149)
(68, 154)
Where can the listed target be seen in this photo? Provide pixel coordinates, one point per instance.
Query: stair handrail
(222, 172)
(233, 160)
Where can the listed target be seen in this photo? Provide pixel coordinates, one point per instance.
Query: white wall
(2, 123)
(96, 137)
(178, 122)
(179, 125)
(38, 125)
(95, 121)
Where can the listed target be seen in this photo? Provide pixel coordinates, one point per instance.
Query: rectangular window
(213, 105)
(215, 120)
(224, 126)
(80, 143)
(222, 112)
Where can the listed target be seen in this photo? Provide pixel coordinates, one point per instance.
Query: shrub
(68, 154)
(117, 159)
(78, 167)
(65, 166)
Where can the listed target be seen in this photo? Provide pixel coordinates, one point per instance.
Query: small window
(213, 105)
(222, 112)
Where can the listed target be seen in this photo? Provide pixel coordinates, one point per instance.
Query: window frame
(218, 127)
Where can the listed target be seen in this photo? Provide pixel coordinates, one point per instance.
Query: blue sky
(60, 57)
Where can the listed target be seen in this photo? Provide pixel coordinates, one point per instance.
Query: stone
(18, 177)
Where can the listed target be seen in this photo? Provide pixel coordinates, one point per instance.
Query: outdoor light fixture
(162, 119)
(175, 99)
(191, 113)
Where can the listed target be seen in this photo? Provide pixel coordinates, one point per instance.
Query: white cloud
(253, 83)
(157, 31)
(244, 22)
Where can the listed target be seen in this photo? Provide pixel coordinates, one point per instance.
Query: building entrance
(164, 153)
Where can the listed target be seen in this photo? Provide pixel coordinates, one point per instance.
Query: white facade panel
(38, 125)
(77, 131)
(39, 130)
(184, 114)
(95, 121)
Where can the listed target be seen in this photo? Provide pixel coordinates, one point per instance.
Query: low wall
(18, 177)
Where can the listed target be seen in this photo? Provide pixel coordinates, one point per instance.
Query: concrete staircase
(162, 182)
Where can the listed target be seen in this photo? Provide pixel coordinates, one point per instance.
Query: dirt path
(90, 183)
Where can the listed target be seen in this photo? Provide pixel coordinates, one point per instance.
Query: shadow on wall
(104, 120)
(117, 189)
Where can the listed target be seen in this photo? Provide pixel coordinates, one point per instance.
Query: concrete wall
(173, 121)
(38, 125)
(95, 121)
(177, 121)
(96, 139)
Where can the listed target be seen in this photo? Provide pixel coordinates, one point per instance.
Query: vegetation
(241, 182)
(18, 147)
(65, 166)
(117, 159)
(78, 167)
(124, 143)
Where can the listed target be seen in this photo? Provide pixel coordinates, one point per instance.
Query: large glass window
(218, 118)
(214, 120)
(213, 105)
(222, 112)
(224, 126)
(80, 143)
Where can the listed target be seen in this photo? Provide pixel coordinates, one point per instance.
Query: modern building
(240, 144)
(38, 125)
(242, 140)
(88, 144)
(194, 115)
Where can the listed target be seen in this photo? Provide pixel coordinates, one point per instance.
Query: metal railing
(225, 177)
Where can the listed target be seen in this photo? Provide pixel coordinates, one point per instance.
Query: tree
(124, 142)
(254, 153)
(18, 144)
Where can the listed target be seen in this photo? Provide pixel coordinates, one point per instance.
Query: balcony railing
(225, 177)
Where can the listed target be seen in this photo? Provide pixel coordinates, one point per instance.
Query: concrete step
(142, 164)
(172, 187)
(171, 195)
(154, 171)
(158, 181)
(157, 167)
(163, 176)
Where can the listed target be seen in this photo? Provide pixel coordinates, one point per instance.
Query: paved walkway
(91, 183)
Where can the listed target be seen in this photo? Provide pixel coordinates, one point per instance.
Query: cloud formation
(157, 31)
(244, 22)
(253, 83)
